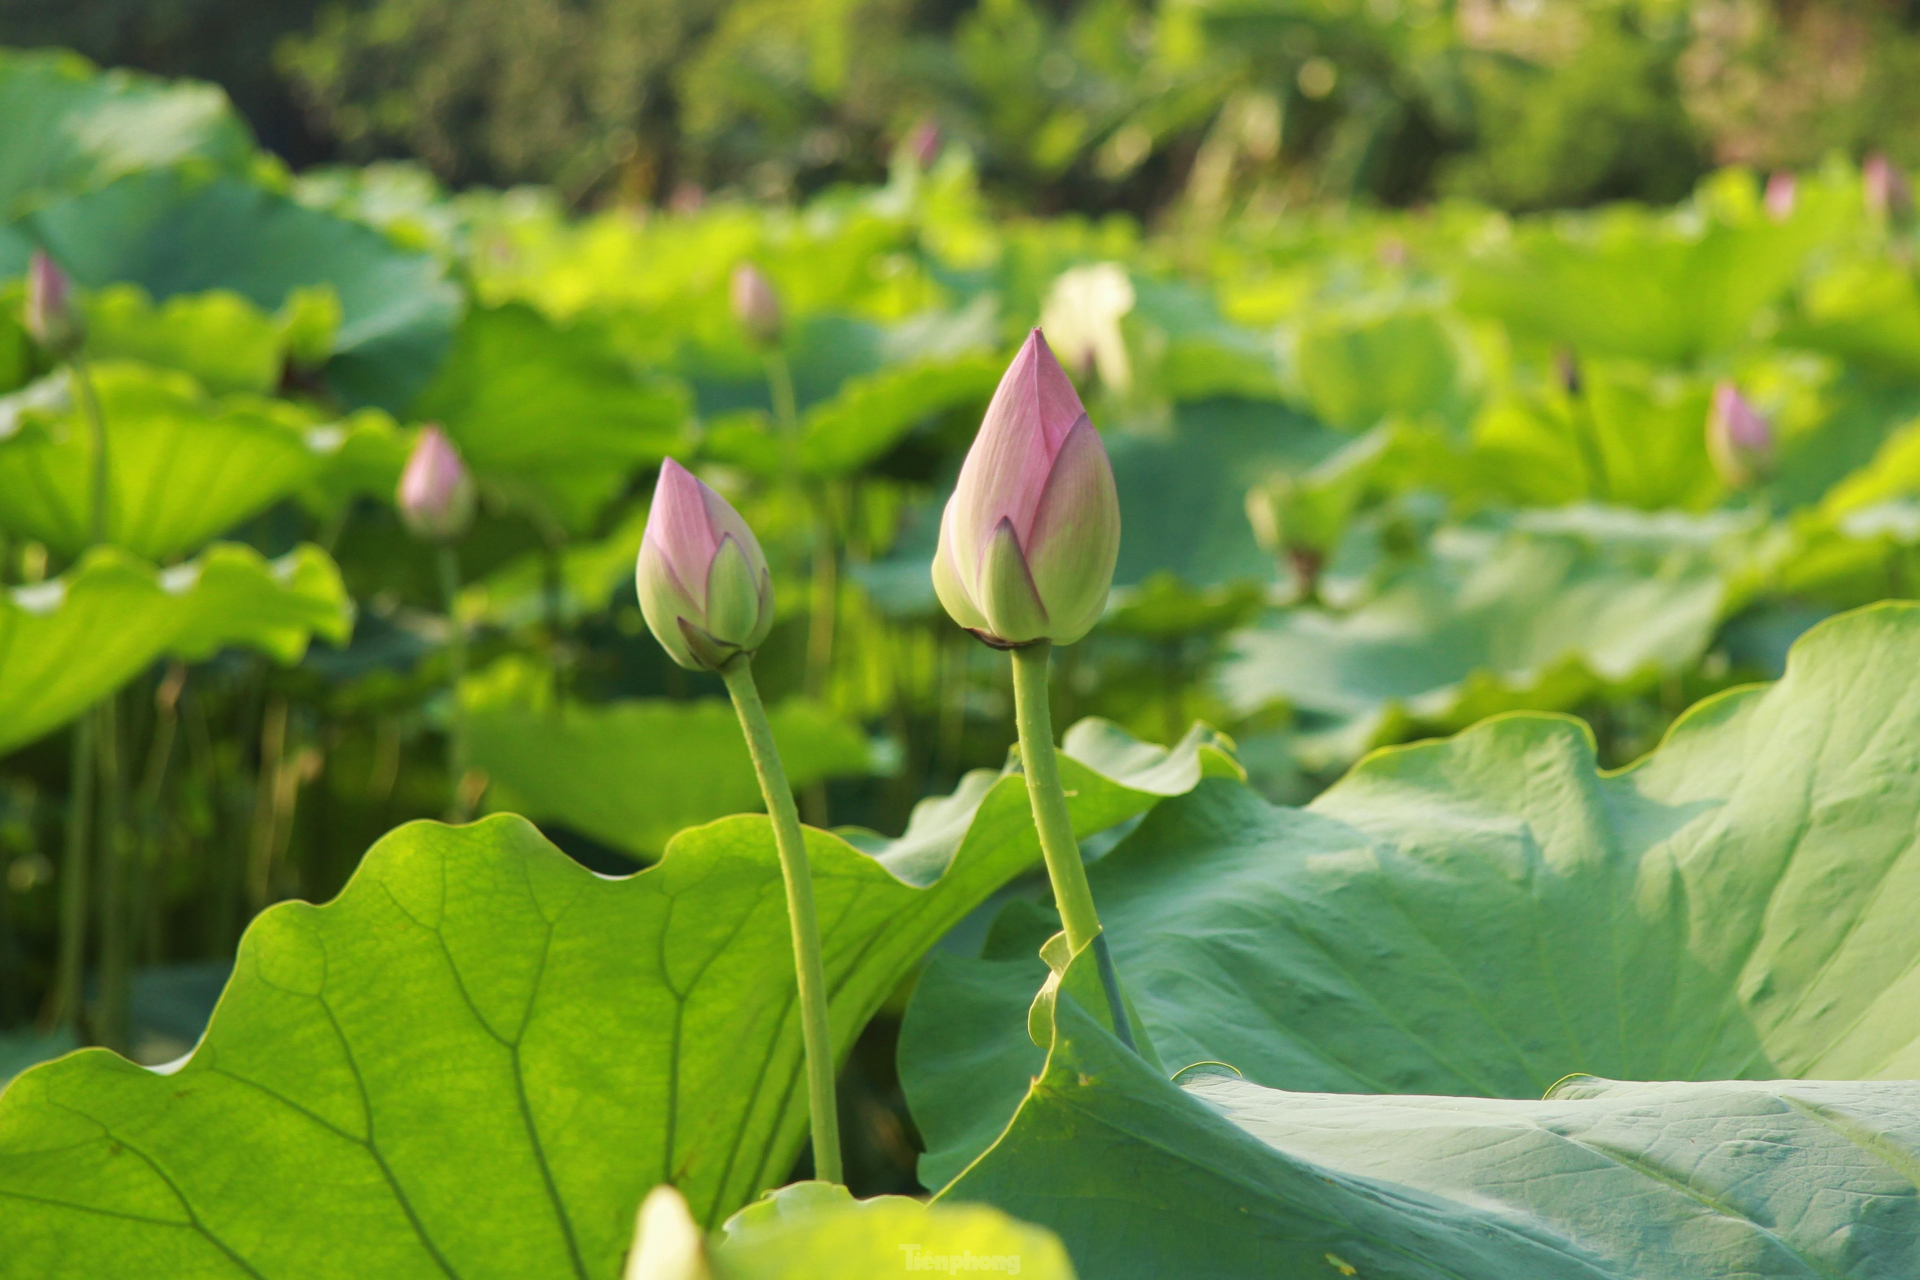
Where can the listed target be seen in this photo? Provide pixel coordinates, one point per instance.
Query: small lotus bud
(49, 315)
(1885, 190)
(1029, 539)
(668, 1244)
(1566, 369)
(755, 305)
(1781, 190)
(702, 578)
(924, 143)
(436, 493)
(1739, 441)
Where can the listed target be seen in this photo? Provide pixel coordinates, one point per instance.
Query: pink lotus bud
(436, 493)
(49, 315)
(755, 305)
(924, 143)
(1782, 187)
(1030, 536)
(1739, 441)
(702, 578)
(1566, 368)
(1885, 190)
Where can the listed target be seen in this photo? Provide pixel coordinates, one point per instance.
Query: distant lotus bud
(668, 1244)
(755, 305)
(436, 492)
(1739, 441)
(1566, 370)
(1781, 190)
(1029, 539)
(49, 315)
(702, 578)
(925, 143)
(1885, 190)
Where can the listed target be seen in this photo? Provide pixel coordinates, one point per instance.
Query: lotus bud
(1885, 189)
(702, 578)
(925, 143)
(755, 305)
(668, 1244)
(436, 491)
(1739, 441)
(1029, 539)
(1781, 190)
(49, 315)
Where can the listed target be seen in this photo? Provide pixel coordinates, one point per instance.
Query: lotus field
(887, 736)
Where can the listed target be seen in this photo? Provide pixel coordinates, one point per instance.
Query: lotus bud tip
(436, 495)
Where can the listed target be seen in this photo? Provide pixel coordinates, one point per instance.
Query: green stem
(780, 390)
(70, 963)
(97, 424)
(808, 969)
(449, 565)
(1071, 893)
(116, 975)
(71, 960)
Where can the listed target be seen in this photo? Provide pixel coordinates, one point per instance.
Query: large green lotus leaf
(221, 338)
(865, 418)
(1488, 914)
(1630, 440)
(552, 417)
(1867, 313)
(1666, 287)
(177, 231)
(1537, 610)
(68, 642)
(479, 1057)
(1601, 1180)
(1185, 492)
(183, 466)
(818, 1231)
(576, 764)
(1353, 371)
(71, 128)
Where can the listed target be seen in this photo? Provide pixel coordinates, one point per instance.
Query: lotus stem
(70, 963)
(1055, 824)
(449, 567)
(809, 971)
(71, 958)
(97, 426)
(115, 952)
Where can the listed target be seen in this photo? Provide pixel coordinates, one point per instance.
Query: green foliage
(581, 765)
(553, 419)
(817, 1231)
(72, 640)
(590, 1038)
(71, 129)
(1223, 1177)
(185, 466)
(1483, 917)
(176, 231)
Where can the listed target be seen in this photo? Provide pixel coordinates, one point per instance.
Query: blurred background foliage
(1192, 107)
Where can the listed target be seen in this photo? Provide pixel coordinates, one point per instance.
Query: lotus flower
(755, 305)
(436, 492)
(49, 314)
(702, 578)
(1781, 191)
(1739, 441)
(1030, 536)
